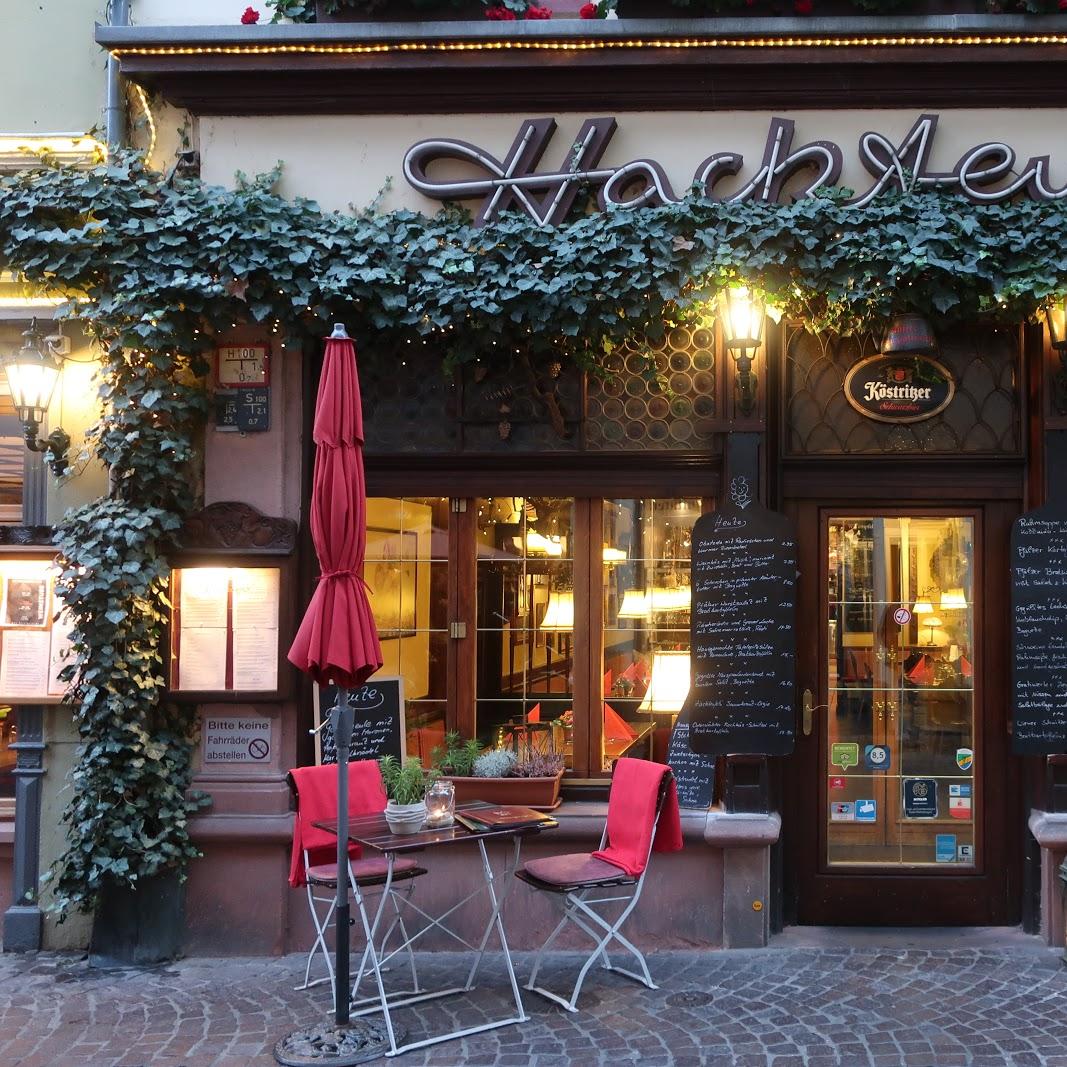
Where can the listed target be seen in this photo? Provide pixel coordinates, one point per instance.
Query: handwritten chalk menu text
(744, 570)
(1039, 630)
(378, 729)
(694, 774)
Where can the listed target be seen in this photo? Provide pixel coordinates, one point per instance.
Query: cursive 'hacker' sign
(743, 636)
(986, 173)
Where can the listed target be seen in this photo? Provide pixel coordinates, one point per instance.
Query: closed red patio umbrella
(337, 641)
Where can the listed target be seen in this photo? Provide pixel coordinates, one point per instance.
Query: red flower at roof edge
(500, 14)
(535, 12)
(250, 17)
(588, 11)
(803, 7)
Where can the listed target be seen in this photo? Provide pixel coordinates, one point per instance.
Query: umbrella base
(329, 1045)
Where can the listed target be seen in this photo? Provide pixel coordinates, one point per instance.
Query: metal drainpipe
(114, 109)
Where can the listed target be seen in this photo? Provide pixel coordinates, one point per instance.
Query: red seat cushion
(574, 868)
(372, 867)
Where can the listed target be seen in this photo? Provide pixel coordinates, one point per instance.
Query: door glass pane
(899, 736)
(526, 617)
(406, 573)
(646, 550)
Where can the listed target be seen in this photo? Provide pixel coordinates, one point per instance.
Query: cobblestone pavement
(785, 1006)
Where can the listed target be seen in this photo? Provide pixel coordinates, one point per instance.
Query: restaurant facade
(531, 525)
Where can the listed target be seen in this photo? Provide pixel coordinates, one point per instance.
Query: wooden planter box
(528, 792)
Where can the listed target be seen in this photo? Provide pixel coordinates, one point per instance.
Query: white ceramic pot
(405, 818)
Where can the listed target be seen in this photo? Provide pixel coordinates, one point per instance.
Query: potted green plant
(405, 787)
(499, 775)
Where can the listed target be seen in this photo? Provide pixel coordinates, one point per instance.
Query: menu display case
(34, 635)
(226, 630)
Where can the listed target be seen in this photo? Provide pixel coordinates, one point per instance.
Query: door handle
(808, 712)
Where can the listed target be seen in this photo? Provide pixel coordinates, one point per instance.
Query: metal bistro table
(372, 832)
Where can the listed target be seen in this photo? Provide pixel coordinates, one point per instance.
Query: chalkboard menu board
(379, 720)
(693, 773)
(744, 570)
(1039, 630)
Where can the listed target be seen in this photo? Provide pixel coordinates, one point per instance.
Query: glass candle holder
(440, 804)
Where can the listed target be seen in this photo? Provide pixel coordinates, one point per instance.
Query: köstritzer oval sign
(899, 388)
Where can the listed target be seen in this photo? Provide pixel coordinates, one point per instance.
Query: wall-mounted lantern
(1056, 319)
(742, 312)
(32, 373)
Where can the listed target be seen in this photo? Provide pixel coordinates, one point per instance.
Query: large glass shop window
(900, 750)
(646, 552)
(526, 614)
(406, 573)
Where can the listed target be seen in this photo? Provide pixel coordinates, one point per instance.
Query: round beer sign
(899, 388)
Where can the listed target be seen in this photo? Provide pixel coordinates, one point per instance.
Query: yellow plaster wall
(54, 72)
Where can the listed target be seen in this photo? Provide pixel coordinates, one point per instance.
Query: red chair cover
(632, 802)
(316, 801)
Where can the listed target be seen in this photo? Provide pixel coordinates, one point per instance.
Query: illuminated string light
(970, 41)
(142, 98)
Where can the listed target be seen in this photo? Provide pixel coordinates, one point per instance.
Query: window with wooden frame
(561, 617)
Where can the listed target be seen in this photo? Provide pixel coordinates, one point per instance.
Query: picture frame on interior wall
(392, 576)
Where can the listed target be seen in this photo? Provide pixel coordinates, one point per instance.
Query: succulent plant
(496, 763)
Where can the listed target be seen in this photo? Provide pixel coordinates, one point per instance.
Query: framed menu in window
(34, 645)
(226, 630)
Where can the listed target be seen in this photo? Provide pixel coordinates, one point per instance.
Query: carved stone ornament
(234, 527)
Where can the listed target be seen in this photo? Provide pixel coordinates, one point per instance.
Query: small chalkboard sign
(743, 634)
(1039, 630)
(693, 773)
(379, 720)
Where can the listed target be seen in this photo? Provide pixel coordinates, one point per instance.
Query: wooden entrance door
(903, 806)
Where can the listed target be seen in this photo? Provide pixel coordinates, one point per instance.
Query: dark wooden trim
(588, 640)
(742, 66)
(447, 88)
(891, 477)
(463, 608)
(551, 473)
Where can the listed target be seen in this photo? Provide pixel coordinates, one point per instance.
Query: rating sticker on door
(965, 853)
(876, 757)
(845, 754)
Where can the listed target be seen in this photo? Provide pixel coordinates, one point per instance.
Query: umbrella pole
(341, 716)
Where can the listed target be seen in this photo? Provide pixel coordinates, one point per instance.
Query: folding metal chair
(576, 877)
(315, 789)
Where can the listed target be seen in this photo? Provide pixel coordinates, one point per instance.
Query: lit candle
(440, 804)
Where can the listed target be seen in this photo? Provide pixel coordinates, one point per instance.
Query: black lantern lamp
(742, 313)
(32, 373)
(1056, 319)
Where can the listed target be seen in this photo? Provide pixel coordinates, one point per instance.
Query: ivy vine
(162, 266)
